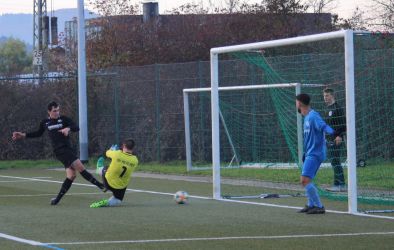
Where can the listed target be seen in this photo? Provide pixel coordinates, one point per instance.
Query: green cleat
(102, 203)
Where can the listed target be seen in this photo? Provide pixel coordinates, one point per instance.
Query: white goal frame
(188, 146)
(347, 35)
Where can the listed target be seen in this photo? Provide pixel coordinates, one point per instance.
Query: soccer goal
(254, 138)
(238, 156)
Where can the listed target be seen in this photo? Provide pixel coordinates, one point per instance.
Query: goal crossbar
(244, 87)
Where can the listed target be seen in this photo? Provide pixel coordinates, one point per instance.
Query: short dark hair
(52, 105)
(129, 143)
(328, 91)
(304, 99)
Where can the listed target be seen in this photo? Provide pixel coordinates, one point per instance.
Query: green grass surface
(374, 176)
(26, 213)
(28, 164)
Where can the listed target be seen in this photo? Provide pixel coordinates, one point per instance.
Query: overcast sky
(344, 8)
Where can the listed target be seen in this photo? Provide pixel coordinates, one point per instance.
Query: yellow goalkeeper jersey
(121, 167)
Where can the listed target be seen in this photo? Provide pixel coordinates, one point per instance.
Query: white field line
(203, 197)
(275, 205)
(42, 195)
(15, 181)
(28, 242)
(90, 185)
(225, 238)
(43, 177)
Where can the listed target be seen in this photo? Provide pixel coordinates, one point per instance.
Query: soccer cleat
(54, 201)
(316, 210)
(97, 204)
(343, 188)
(337, 188)
(305, 209)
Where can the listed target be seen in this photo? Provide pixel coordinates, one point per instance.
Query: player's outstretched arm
(110, 153)
(38, 133)
(323, 126)
(18, 135)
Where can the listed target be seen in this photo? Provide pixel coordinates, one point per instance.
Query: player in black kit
(58, 128)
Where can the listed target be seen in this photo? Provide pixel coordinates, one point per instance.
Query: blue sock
(310, 201)
(312, 194)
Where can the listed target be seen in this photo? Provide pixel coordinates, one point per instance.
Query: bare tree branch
(383, 15)
(321, 6)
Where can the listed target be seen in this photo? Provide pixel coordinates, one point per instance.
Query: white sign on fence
(37, 57)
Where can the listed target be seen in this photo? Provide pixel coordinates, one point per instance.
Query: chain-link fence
(143, 102)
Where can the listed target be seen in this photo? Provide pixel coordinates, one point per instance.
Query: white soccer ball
(181, 197)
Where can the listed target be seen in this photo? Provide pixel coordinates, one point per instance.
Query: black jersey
(53, 126)
(335, 117)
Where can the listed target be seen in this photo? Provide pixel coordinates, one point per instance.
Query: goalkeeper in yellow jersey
(117, 175)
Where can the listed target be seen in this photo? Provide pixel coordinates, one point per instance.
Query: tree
(321, 6)
(115, 7)
(357, 21)
(285, 7)
(232, 5)
(189, 8)
(213, 7)
(14, 58)
(189, 32)
(383, 15)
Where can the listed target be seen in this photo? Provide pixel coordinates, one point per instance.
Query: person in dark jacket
(335, 117)
(59, 128)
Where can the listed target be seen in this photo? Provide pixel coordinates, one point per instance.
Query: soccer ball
(180, 197)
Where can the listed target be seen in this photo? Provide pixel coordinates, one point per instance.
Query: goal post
(347, 36)
(188, 146)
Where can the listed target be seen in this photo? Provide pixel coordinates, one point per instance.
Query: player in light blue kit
(314, 152)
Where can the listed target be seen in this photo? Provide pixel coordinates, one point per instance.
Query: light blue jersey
(314, 141)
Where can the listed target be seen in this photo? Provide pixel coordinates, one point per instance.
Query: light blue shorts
(310, 167)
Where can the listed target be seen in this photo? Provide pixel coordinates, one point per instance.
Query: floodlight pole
(82, 100)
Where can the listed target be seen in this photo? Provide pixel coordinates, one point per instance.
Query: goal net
(246, 128)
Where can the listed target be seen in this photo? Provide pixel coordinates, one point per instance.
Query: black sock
(65, 187)
(90, 178)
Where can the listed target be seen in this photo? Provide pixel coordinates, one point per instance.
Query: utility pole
(82, 96)
(40, 44)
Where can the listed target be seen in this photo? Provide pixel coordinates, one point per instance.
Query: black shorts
(66, 156)
(118, 193)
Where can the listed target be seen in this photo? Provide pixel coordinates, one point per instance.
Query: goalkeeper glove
(100, 162)
(114, 147)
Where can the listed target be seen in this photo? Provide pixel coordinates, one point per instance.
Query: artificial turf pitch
(150, 219)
